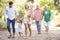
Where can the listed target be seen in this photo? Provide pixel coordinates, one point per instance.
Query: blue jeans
(38, 23)
(13, 25)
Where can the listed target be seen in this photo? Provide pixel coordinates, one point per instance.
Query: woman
(47, 16)
(27, 20)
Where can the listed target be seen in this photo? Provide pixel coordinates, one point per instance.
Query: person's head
(31, 7)
(10, 4)
(26, 6)
(46, 7)
(37, 6)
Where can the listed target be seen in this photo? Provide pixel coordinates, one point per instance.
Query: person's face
(27, 7)
(46, 8)
(11, 5)
(31, 7)
(37, 7)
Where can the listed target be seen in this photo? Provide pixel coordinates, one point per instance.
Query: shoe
(46, 30)
(10, 36)
(13, 36)
(39, 32)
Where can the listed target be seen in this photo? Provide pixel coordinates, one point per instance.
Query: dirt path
(51, 35)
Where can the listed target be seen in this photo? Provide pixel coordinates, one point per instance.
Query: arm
(42, 13)
(50, 14)
(33, 15)
(5, 13)
(16, 13)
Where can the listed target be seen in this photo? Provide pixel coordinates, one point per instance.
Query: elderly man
(38, 15)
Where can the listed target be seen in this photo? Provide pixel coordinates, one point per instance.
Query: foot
(21, 34)
(13, 36)
(30, 35)
(39, 32)
(10, 36)
(46, 30)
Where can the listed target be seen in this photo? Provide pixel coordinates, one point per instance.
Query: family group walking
(29, 14)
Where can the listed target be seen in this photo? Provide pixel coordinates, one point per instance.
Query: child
(19, 21)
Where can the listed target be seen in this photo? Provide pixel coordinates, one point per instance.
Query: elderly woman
(47, 16)
(38, 16)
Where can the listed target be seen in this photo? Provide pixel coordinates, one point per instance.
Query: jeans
(13, 25)
(38, 23)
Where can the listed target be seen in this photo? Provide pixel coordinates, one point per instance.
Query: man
(47, 16)
(38, 15)
(10, 12)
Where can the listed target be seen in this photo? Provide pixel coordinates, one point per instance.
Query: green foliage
(49, 2)
(4, 3)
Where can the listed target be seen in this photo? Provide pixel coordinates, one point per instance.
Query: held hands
(16, 18)
(19, 20)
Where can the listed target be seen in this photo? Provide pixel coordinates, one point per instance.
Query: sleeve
(50, 13)
(43, 12)
(5, 12)
(16, 11)
(34, 13)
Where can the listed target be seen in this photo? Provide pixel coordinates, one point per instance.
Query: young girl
(19, 21)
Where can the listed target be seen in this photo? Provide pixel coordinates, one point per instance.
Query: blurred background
(54, 5)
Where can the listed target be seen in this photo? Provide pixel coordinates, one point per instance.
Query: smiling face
(37, 7)
(11, 6)
(26, 6)
(46, 7)
(31, 7)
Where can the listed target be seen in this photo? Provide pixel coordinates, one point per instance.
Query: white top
(46, 12)
(11, 12)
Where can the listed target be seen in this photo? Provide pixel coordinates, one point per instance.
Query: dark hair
(10, 3)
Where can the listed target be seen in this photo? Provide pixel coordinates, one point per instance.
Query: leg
(26, 30)
(46, 26)
(38, 27)
(20, 33)
(8, 27)
(20, 29)
(13, 27)
(29, 27)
